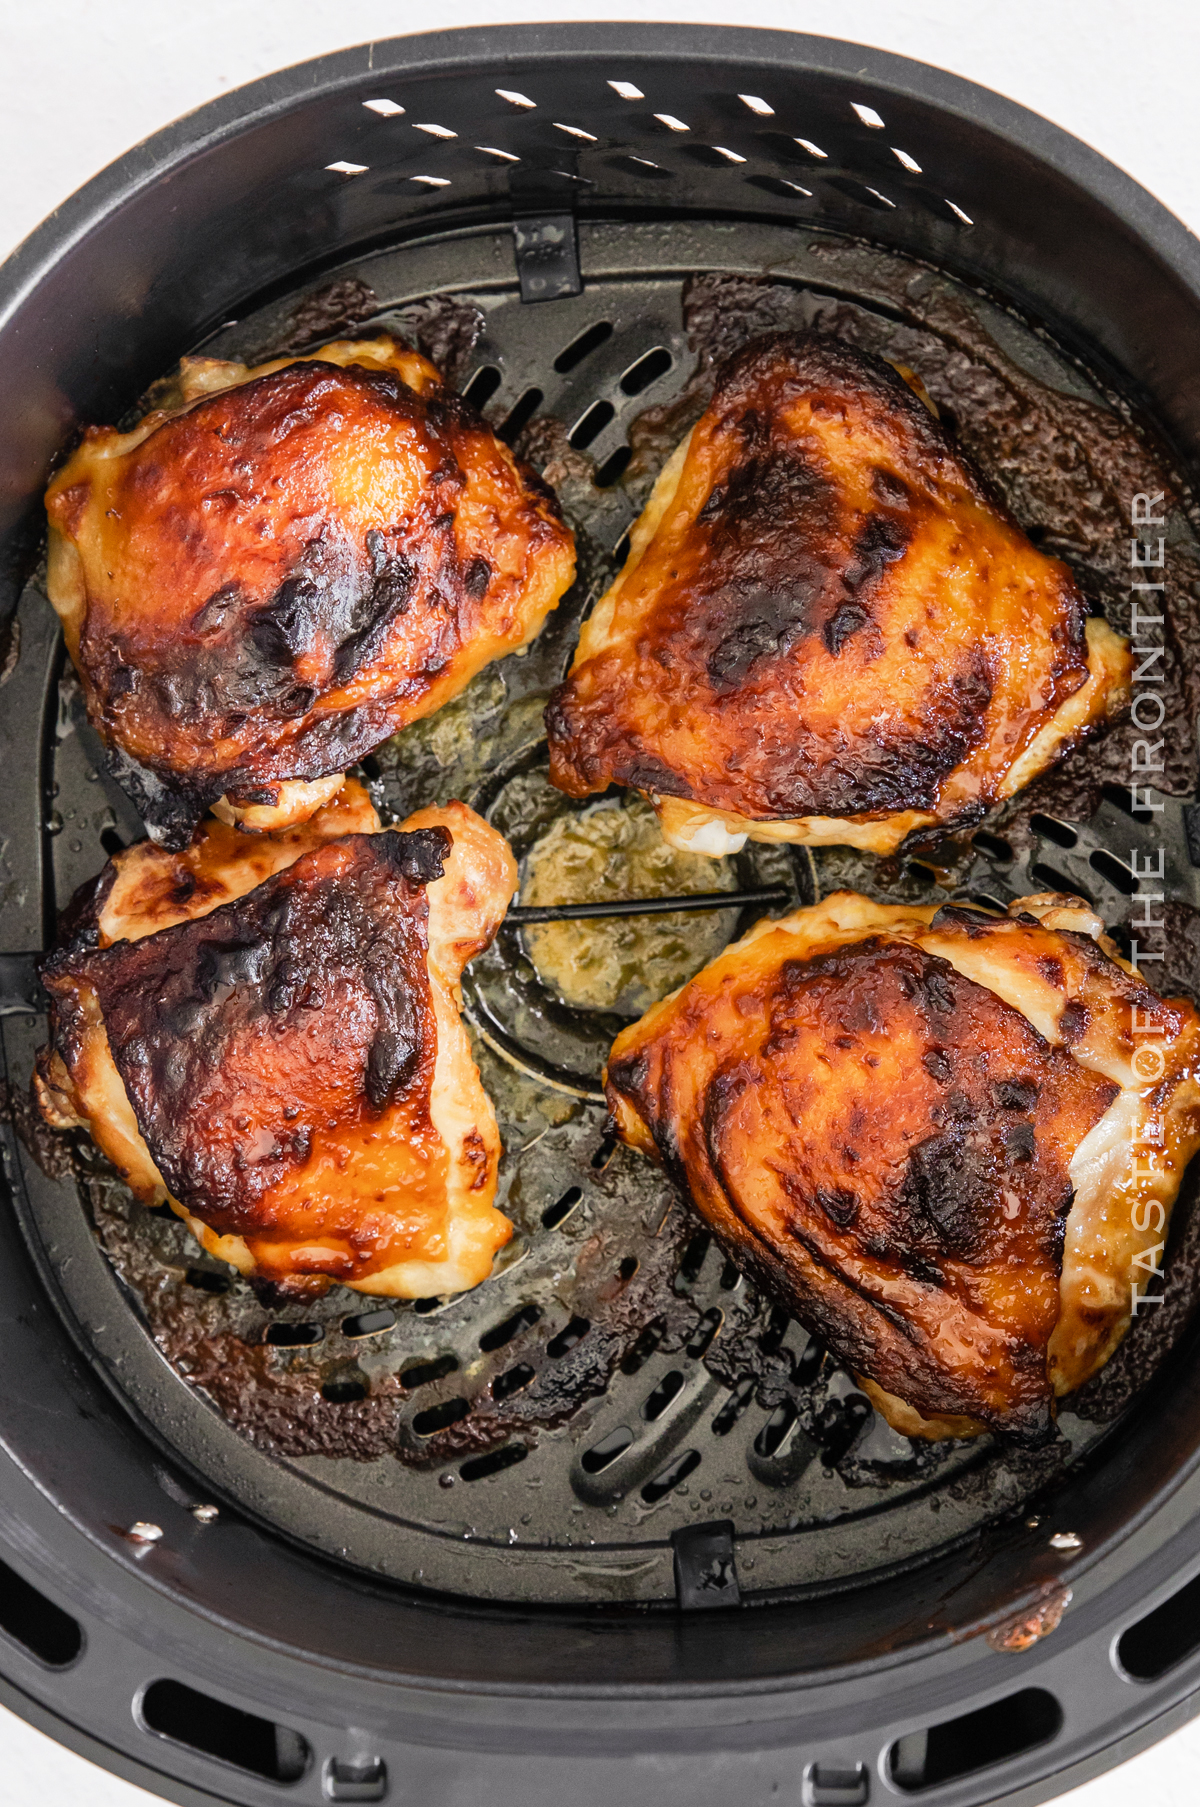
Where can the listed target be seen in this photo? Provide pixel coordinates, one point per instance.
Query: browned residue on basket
(1022, 1630)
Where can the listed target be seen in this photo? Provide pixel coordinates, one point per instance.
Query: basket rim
(438, 54)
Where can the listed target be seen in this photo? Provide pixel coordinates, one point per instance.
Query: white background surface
(82, 80)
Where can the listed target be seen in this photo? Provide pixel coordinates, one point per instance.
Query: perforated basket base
(614, 1381)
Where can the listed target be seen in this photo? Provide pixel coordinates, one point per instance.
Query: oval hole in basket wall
(259, 1746)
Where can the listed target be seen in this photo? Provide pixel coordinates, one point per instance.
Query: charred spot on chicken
(281, 1056)
(826, 630)
(918, 1129)
(262, 583)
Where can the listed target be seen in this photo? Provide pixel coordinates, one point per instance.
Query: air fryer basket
(610, 1523)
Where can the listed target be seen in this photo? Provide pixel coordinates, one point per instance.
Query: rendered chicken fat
(927, 1133)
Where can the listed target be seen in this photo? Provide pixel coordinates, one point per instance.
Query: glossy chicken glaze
(928, 1133)
(826, 630)
(276, 1047)
(261, 585)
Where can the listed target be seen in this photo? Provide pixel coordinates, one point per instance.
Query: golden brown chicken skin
(288, 1068)
(920, 1131)
(260, 585)
(826, 630)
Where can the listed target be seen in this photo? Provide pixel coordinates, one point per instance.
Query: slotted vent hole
(715, 156)
(668, 1388)
(669, 1478)
(36, 1623)
(293, 1336)
(731, 1278)
(520, 414)
(776, 1430)
(986, 900)
(694, 1257)
(613, 468)
(621, 550)
(641, 166)
(808, 1365)
(480, 1467)
(705, 1333)
(1115, 871)
(592, 424)
(733, 1408)
(482, 386)
(839, 1423)
(514, 1380)
(604, 1153)
(860, 192)
(566, 1339)
(583, 346)
(991, 1734)
(647, 370)
(601, 1455)
(423, 1374)
(1121, 796)
(423, 1307)
(345, 1391)
(218, 1730)
(1051, 880)
(628, 1269)
(937, 206)
(779, 185)
(111, 842)
(1053, 830)
(993, 847)
(440, 1417)
(503, 1333)
(1164, 1637)
(647, 1342)
(207, 1280)
(776, 1329)
(562, 1208)
(369, 1323)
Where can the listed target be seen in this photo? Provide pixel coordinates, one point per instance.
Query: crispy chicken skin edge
(297, 798)
(1104, 1255)
(460, 1109)
(696, 828)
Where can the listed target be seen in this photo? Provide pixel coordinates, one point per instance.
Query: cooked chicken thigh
(262, 583)
(826, 631)
(266, 1034)
(948, 1141)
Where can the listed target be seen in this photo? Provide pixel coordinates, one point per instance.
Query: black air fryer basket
(609, 1527)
